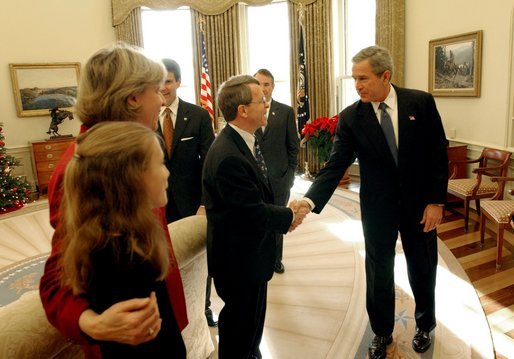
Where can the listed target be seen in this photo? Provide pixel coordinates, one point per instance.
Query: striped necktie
(167, 130)
(260, 158)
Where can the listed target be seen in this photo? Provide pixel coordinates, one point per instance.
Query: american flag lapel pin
(412, 118)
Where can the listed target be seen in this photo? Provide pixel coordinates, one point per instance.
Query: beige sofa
(26, 333)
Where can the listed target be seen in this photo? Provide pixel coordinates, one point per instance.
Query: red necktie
(167, 130)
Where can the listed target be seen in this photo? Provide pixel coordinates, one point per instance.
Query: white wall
(70, 31)
(46, 31)
(478, 121)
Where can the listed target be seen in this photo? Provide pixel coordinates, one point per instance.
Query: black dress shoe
(421, 341)
(279, 268)
(377, 349)
(210, 318)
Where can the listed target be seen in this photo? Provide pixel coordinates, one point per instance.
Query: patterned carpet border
(20, 277)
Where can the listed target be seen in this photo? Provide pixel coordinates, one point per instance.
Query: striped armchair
(491, 163)
(499, 212)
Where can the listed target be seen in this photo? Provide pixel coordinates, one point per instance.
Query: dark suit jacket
(279, 144)
(193, 135)
(389, 191)
(241, 217)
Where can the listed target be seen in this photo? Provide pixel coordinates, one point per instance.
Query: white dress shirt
(174, 108)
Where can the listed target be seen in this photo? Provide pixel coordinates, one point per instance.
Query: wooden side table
(45, 156)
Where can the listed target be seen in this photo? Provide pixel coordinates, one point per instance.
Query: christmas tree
(14, 190)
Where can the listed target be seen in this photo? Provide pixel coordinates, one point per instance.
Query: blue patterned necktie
(387, 127)
(259, 158)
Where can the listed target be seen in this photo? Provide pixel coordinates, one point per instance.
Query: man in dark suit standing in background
(279, 144)
(241, 219)
(188, 133)
(399, 141)
(192, 135)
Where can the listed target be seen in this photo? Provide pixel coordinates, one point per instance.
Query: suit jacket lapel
(406, 121)
(373, 130)
(180, 124)
(272, 115)
(241, 144)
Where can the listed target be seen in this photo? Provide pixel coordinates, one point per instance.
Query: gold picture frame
(455, 64)
(39, 87)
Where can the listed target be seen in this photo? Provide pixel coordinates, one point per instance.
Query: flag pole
(302, 92)
(302, 96)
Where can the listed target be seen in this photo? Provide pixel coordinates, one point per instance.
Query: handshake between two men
(300, 209)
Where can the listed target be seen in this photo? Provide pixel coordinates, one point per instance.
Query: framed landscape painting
(455, 65)
(40, 87)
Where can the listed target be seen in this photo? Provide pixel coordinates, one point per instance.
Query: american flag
(205, 84)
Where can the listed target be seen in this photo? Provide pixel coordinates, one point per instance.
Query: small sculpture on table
(58, 116)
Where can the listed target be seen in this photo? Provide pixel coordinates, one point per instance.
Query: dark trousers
(241, 321)
(421, 255)
(281, 201)
(208, 292)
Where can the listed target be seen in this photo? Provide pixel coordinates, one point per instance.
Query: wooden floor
(495, 288)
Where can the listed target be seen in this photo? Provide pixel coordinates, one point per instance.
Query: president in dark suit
(404, 175)
(241, 219)
(279, 143)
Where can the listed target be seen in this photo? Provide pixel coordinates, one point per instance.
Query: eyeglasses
(263, 100)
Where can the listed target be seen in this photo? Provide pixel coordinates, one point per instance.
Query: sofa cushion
(189, 236)
(25, 332)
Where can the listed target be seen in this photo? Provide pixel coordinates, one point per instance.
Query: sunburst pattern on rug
(316, 309)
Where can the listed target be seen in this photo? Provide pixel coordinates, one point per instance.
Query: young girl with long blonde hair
(114, 248)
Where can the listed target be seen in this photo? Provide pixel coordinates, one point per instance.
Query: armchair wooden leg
(482, 229)
(477, 204)
(466, 214)
(499, 249)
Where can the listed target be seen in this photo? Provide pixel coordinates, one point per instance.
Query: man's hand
(300, 208)
(133, 321)
(432, 216)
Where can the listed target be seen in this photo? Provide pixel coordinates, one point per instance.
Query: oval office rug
(25, 237)
(317, 308)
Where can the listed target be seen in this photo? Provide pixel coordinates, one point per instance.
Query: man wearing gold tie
(188, 133)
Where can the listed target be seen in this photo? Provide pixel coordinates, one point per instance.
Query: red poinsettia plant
(320, 134)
